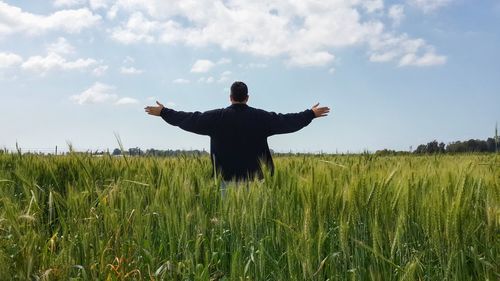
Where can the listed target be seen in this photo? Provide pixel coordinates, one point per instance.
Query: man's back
(238, 135)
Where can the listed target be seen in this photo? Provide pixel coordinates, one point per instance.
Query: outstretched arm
(292, 122)
(195, 122)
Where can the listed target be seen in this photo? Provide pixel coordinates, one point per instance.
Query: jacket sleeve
(278, 123)
(202, 123)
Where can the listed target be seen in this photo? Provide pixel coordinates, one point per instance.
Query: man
(238, 133)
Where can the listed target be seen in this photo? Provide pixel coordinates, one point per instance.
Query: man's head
(239, 92)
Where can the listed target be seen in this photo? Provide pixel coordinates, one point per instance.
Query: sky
(396, 74)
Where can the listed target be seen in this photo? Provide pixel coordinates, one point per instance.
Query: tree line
(433, 147)
(489, 145)
(136, 151)
(472, 145)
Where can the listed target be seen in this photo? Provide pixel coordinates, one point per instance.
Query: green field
(361, 217)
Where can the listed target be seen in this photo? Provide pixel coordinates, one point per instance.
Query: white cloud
(253, 65)
(100, 70)
(331, 70)
(397, 14)
(372, 5)
(305, 33)
(430, 5)
(9, 60)
(97, 93)
(111, 14)
(131, 70)
(99, 4)
(201, 66)
(427, 59)
(61, 46)
(14, 20)
(313, 59)
(407, 51)
(180, 81)
(137, 29)
(54, 61)
(126, 100)
(101, 93)
(68, 3)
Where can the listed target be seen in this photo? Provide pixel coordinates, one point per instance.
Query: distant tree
(421, 149)
(385, 152)
(472, 146)
(456, 147)
(135, 151)
(167, 153)
(117, 151)
(491, 145)
(442, 147)
(432, 147)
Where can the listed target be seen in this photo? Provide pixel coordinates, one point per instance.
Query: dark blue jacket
(238, 135)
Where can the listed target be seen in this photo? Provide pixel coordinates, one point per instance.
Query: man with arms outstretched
(238, 133)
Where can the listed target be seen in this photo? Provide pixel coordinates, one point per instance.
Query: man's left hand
(320, 111)
(154, 110)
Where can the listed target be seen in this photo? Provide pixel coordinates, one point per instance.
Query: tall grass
(318, 218)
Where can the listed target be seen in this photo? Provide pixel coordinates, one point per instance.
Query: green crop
(361, 217)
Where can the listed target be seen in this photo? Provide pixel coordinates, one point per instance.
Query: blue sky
(395, 73)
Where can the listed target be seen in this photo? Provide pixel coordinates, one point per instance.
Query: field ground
(357, 217)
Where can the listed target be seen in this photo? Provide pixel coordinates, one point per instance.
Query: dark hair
(239, 91)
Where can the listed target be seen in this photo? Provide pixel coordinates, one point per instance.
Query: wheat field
(320, 217)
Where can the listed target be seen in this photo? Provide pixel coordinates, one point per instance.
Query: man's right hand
(154, 110)
(320, 111)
